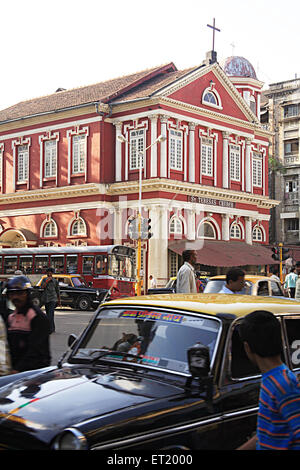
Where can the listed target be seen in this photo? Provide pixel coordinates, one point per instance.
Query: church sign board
(211, 202)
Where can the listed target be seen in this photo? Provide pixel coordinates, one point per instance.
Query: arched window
(210, 97)
(235, 231)
(50, 229)
(257, 234)
(78, 227)
(253, 104)
(206, 230)
(176, 226)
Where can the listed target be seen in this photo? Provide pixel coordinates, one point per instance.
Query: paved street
(67, 321)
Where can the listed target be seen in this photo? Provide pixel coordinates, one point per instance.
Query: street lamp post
(122, 139)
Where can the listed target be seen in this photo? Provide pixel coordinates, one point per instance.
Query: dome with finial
(235, 66)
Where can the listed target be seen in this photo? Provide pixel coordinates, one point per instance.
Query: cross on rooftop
(213, 27)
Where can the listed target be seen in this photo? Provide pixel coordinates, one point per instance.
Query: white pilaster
(225, 160)
(158, 244)
(248, 166)
(191, 225)
(192, 127)
(225, 227)
(248, 230)
(163, 148)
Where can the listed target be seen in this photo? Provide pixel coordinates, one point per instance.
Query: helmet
(18, 283)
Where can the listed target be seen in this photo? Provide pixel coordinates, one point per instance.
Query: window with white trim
(235, 162)
(137, 145)
(210, 98)
(207, 156)
(176, 226)
(78, 153)
(257, 234)
(50, 149)
(235, 231)
(22, 162)
(175, 150)
(78, 227)
(50, 229)
(257, 169)
(206, 230)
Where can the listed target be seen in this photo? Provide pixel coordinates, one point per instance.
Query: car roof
(248, 277)
(212, 304)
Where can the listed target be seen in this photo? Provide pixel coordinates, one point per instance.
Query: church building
(69, 166)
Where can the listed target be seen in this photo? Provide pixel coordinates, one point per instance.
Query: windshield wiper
(115, 353)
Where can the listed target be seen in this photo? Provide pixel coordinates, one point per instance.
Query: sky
(46, 45)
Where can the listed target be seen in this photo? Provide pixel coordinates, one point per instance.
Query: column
(225, 159)
(191, 224)
(248, 169)
(163, 148)
(248, 230)
(153, 164)
(118, 153)
(192, 127)
(118, 239)
(158, 244)
(225, 227)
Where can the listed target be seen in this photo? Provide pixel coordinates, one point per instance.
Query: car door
(239, 392)
(291, 325)
(66, 290)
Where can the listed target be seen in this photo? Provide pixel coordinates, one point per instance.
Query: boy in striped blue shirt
(278, 419)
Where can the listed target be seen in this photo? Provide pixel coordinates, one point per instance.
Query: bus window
(87, 264)
(58, 263)
(72, 264)
(100, 264)
(25, 264)
(10, 264)
(40, 264)
(120, 266)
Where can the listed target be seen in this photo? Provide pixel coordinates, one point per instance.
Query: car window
(160, 339)
(263, 288)
(215, 285)
(276, 289)
(293, 339)
(241, 366)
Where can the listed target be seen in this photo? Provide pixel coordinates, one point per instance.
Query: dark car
(170, 287)
(131, 382)
(74, 292)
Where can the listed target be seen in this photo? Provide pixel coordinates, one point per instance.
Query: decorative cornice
(52, 193)
(190, 189)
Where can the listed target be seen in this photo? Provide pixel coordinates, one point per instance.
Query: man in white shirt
(235, 281)
(152, 282)
(186, 280)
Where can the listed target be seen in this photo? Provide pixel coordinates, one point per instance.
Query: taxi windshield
(150, 337)
(214, 286)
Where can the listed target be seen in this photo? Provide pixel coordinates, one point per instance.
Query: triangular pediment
(191, 88)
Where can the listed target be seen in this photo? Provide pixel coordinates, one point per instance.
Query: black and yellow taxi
(148, 373)
(74, 292)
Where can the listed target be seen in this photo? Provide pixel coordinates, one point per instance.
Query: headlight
(97, 293)
(70, 439)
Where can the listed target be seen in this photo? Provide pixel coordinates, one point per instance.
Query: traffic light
(285, 253)
(149, 233)
(276, 253)
(133, 230)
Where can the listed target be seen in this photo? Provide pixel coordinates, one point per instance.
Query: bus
(106, 267)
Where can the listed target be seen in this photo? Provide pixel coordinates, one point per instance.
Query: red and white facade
(66, 178)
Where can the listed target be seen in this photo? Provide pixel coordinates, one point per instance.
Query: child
(278, 420)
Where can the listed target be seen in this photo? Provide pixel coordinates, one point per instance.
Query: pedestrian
(186, 277)
(199, 283)
(275, 274)
(50, 296)
(290, 282)
(27, 328)
(297, 290)
(235, 281)
(152, 282)
(278, 418)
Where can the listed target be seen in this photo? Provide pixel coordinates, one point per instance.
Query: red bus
(107, 266)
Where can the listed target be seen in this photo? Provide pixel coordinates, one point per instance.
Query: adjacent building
(66, 178)
(280, 113)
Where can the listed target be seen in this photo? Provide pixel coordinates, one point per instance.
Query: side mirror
(72, 338)
(198, 360)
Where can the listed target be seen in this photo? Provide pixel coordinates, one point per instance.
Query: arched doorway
(17, 238)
